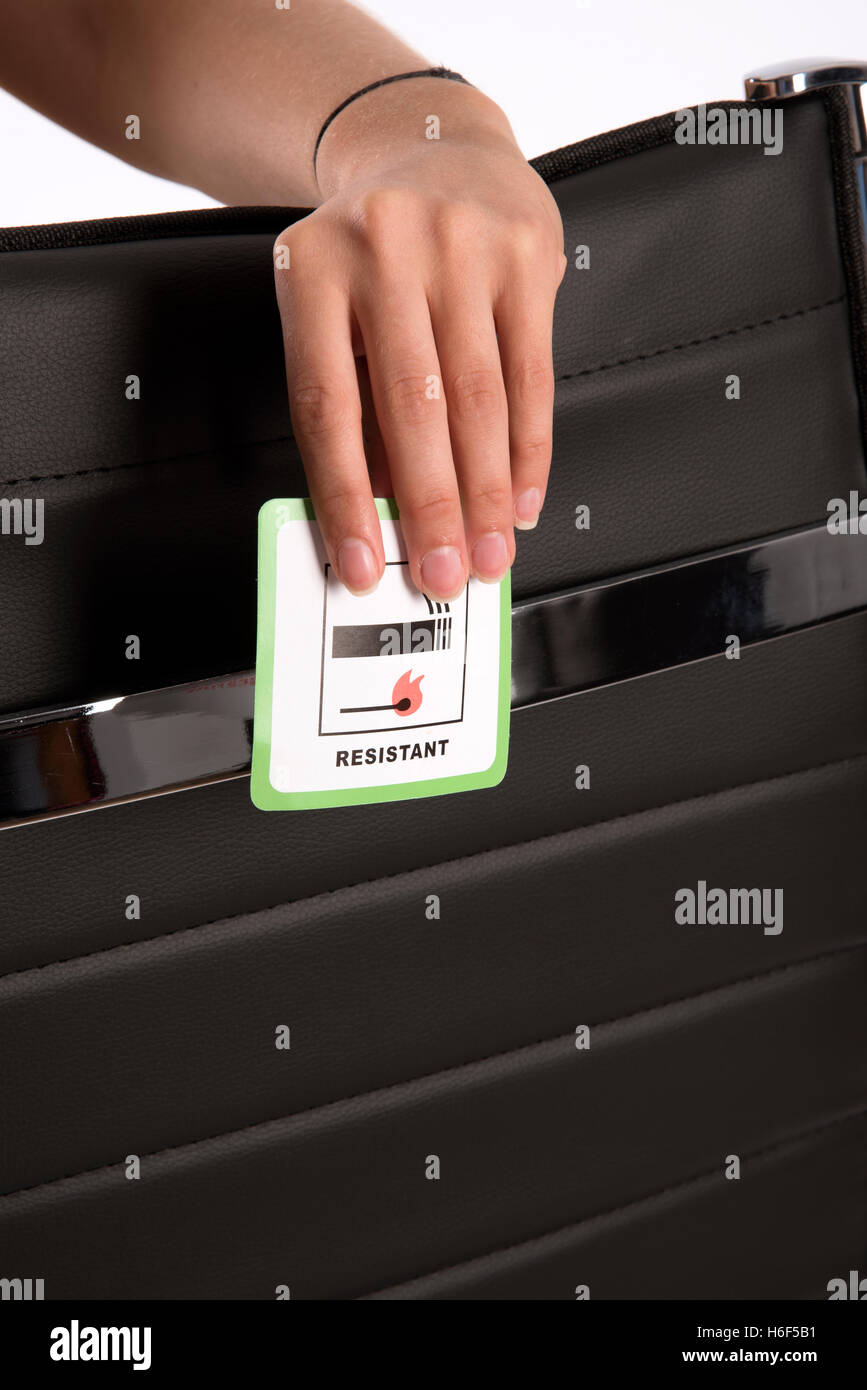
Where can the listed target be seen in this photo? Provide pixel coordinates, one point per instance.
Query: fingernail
(356, 566)
(442, 572)
(491, 557)
(527, 506)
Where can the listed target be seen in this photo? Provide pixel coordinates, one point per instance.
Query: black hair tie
(384, 82)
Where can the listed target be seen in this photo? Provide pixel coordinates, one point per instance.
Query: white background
(561, 69)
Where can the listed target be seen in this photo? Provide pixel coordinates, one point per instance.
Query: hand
(432, 262)
(438, 262)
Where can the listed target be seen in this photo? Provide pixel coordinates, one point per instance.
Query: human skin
(416, 298)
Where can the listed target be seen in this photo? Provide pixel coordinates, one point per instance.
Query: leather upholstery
(454, 1037)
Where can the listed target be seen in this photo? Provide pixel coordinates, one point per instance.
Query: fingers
(524, 321)
(478, 427)
(454, 396)
(406, 384)
(326, 419)
(374, 448)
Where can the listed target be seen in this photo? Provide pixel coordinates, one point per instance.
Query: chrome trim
(56, 762)
(800, 75)
(670, 615)
(797, 75)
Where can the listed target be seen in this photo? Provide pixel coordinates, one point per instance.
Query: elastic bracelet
(384, 82)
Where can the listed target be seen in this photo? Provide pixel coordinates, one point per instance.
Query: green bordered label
(378, 698)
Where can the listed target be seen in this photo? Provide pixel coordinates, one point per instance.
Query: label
(378, 698)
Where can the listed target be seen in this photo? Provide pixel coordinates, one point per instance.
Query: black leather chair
(585, 1067)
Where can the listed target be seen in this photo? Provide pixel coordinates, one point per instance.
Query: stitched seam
(792, 1141)
(566, 376)
(476, 1062)
(444, 863)
(149, 463)
(700, 342)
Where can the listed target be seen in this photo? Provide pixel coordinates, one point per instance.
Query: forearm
(434, 251)
(230, 95)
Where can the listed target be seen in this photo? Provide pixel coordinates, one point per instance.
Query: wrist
(393, 123)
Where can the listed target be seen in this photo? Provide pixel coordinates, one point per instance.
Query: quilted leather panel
(491, 976)
(528, 1142)
(658, 1248)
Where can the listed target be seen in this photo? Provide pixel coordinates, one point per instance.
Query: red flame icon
(407, 695)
